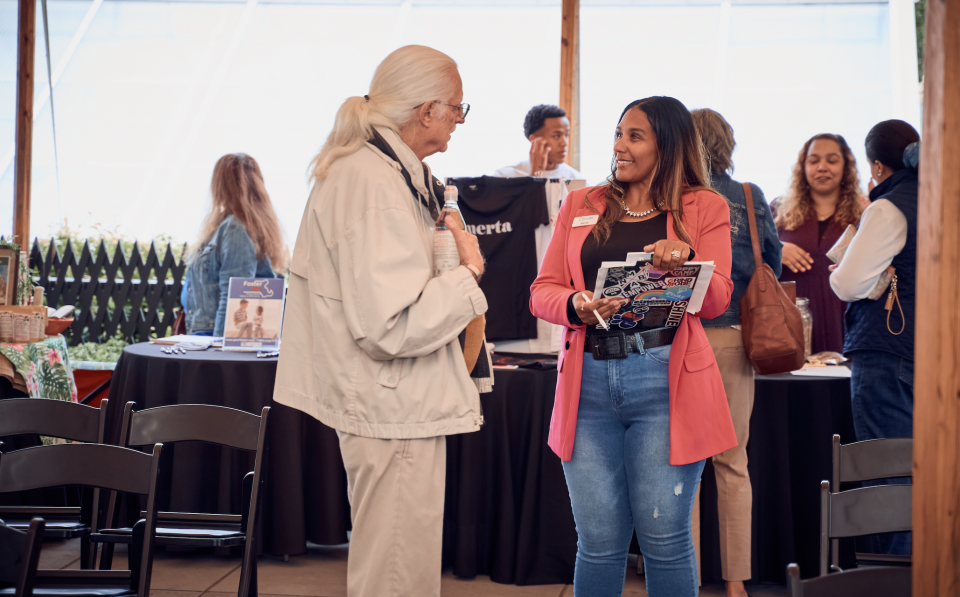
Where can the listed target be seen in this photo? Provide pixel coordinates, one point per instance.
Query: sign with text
(254, 314)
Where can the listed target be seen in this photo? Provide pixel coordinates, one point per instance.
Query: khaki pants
(396, 490)
(734, 493)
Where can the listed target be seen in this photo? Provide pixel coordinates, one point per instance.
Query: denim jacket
(743, 262)
(229, 253)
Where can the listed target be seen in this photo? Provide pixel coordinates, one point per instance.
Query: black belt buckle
(605, 348)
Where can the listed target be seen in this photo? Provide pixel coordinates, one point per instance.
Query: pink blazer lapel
(691, 221)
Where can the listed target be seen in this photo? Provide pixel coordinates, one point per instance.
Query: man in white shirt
(548, 130)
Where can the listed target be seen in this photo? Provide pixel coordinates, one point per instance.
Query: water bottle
(445, 254)
(804, 306)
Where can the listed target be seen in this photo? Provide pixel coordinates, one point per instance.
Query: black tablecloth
(790, 453)
(507, 512)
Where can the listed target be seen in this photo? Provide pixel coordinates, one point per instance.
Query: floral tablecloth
(44, 367)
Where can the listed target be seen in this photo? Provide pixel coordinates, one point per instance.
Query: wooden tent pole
(26, 38)
(936, 429)
(570, 75)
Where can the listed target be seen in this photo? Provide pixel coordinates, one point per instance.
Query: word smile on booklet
(482, 229)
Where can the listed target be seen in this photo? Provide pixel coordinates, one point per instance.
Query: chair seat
(75, 592)
(63, 529)
(184, 536)
(885, 559)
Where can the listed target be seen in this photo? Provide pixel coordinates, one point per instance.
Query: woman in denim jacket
(240, 238)
(734, 493)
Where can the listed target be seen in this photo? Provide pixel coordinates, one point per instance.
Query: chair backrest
(866, 461)
(864, 511)
(876, 582)
(54, 418)
(871, 459)
(91, 465)
(206, 423)
(186, 422)
(19, 556)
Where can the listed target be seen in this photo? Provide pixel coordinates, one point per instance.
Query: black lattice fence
(138, 297)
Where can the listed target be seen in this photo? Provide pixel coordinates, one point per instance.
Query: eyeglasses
(464, 108)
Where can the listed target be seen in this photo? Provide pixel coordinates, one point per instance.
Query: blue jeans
(620, 479)
(882, 395)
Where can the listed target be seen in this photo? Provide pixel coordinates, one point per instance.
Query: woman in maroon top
(823, 199)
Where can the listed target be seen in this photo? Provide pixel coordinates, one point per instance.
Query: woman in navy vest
(880, 342)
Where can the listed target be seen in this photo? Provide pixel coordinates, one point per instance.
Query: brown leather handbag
(770, 321)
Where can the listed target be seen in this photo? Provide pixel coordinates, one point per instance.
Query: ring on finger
(676, 254)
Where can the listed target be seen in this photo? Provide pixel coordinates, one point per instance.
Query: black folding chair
(211, 424)
(104, 467)
(866, 461)
(19, 555)
(884, 581)
(67, 420)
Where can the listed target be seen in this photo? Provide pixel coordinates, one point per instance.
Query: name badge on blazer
(585, 220)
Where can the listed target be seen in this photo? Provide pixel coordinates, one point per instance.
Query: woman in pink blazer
(636, 414)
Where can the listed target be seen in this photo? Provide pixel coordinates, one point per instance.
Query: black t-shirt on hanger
(504, 213)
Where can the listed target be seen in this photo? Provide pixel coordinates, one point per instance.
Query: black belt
(616, 345)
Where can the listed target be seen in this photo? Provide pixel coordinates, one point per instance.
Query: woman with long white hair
(370, 339)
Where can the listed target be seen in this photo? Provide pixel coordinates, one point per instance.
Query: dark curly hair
(793, 209)
(537, 114)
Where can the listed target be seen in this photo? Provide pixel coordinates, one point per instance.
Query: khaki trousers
(396, 490)
(734, 492)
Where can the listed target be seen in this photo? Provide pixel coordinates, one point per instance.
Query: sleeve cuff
(572, 316)
(468, 284)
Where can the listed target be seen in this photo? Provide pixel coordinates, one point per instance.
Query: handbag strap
(754, 235)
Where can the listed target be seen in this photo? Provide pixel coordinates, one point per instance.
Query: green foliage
(108, 352)
(96, 233)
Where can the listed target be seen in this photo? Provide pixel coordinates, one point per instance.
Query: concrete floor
(321, 572)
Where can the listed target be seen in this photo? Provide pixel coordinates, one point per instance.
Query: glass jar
(804, 306)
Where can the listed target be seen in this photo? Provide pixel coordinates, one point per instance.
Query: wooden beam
(26, 38)
(570, 75)
(936, 448)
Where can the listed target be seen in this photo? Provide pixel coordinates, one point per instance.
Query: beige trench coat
(369, 344)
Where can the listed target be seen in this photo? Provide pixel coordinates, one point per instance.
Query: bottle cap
(450, 193)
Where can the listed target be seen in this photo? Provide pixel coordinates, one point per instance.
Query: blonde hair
(407, 78)
(717, 137)
(796, 205)
(237, 188)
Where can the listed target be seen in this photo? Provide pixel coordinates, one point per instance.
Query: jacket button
(568, 345)
(391, 379)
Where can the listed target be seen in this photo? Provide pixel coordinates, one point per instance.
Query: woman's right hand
(467, 245)
(606, 307)
(796, 258)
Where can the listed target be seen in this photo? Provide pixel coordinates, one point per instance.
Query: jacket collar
(419, 172)
(892, 181)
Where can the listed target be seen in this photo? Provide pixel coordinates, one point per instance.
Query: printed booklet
(254, 314)
(654, 299)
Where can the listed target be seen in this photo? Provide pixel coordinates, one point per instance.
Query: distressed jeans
(620, 479)
(881, 387)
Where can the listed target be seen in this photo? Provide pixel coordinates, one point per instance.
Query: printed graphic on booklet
(652, 298)
(254, 314)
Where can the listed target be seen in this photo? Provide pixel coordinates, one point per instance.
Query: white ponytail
(408, 77)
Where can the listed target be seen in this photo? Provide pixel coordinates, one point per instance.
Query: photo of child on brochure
(254, 313)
